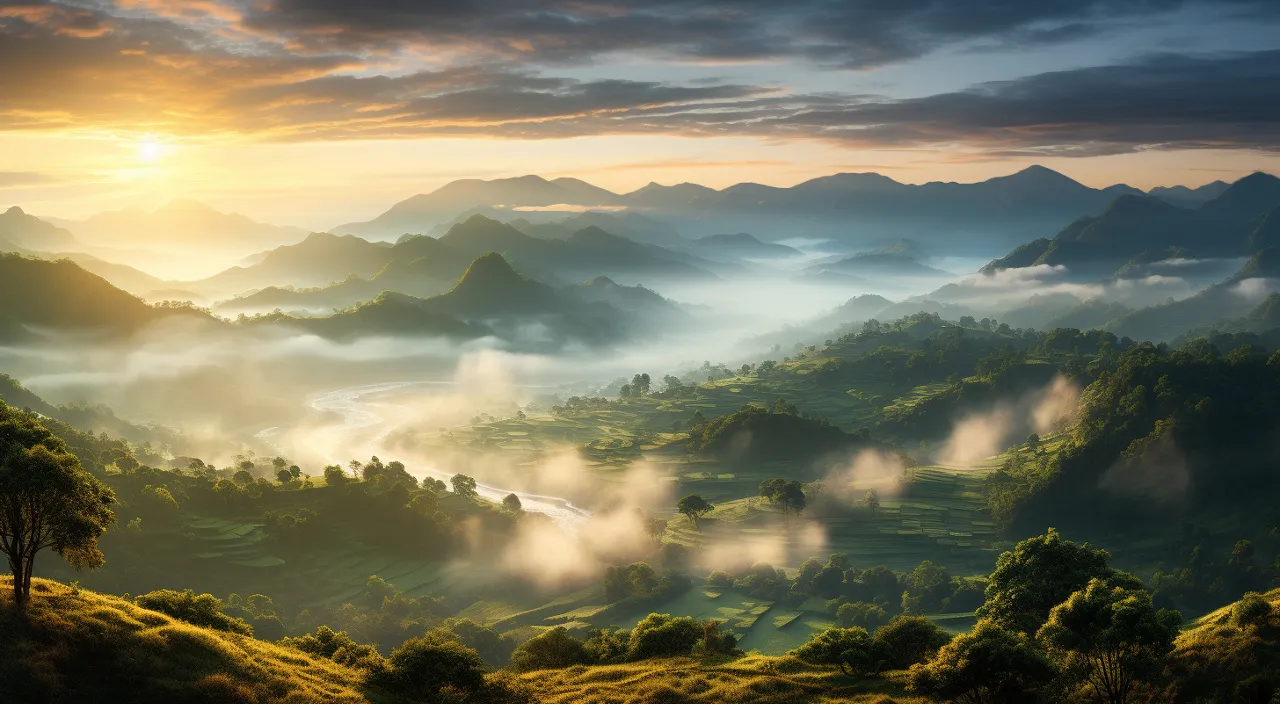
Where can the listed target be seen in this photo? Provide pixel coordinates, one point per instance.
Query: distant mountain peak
(488, 270)
(1130, 205)
(14, 210)
(601, 282)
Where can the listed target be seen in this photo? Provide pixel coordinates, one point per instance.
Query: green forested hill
(59, 295)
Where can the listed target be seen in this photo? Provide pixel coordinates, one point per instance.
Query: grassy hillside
(760, 680)
(74, 645)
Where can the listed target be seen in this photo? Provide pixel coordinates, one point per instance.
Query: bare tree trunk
(21, 583)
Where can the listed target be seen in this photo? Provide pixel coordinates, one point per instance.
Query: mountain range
(1133, 230)
(344, 269)
(184, 224)
(852, 207)
(488, 299)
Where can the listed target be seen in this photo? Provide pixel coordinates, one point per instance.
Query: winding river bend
(364, 411)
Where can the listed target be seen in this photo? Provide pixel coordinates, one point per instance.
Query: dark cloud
(1161, 102)
(849, 33)
(140, 71)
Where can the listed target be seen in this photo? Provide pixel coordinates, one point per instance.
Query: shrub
(607, 645)
(1252, 610)
(850, 648)
(907, 640)
(198, 609)
(861, 614)
(338, 647)
(551, 650)
(719, 578)
(422, 668)
(661, 635)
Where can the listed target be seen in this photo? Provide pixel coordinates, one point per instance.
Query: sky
(318, 112)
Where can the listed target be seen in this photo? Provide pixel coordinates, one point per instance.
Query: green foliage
(511, 502)
(927, 589)
(200, 609)
(988, 665)
(757, 434)
(338, 647)
(862, 615)
(790, 494)
(554, 648)
(1037, 575)
(907, 640)
(1111, 638)
(662, 635)
(851, 648)
(693, 507)
(422, 669)
(463, 486)
(47, 501)
(492, 647)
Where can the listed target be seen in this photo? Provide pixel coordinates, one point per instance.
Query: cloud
(986, 433)
(324, 69)
(868, 469)
(845, 33)
(17, 179)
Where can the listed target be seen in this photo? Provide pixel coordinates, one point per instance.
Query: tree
(988, 665)
(640, 384)
(463, 486)
(200, 609)
(511, 502)
(907, 640)
(788, 493)
(1040, 573)
(552, 649)
(284, 476)
(850, 648)
(1113, 636)
(47, 500)
(334, 476)
(663, 635)
(655, 528)
(421, 667)
(862, 614)
(926, 589)
(871, 500)
(693, 507)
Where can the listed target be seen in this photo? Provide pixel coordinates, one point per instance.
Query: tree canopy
(47, 501)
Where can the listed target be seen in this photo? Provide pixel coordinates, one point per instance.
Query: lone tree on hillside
(463, 485)
(46, 500)
(871, 500)
(693, 506)
(511, 502)
(788, 493)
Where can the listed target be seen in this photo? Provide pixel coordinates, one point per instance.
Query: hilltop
(77, 645)
(60, 295)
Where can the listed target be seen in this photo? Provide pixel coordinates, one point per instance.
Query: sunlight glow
(150, 150)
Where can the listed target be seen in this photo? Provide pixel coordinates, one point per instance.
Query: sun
(149, 149)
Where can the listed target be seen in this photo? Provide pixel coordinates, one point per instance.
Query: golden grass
(77, 645)
(749, 680)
